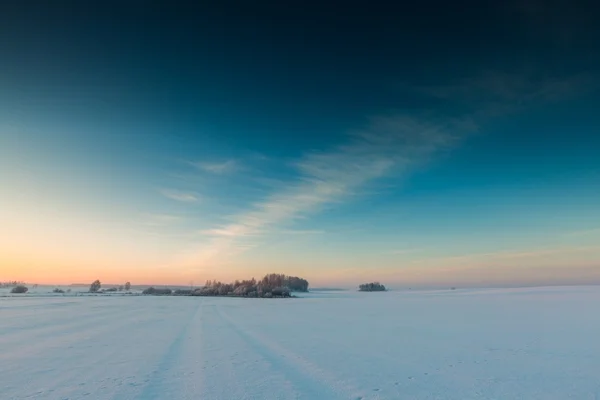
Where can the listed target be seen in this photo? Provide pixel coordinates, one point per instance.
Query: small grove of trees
(371, 287)
(58, 290)
(271, 285)
(157, 292)
(95, 286)
(127, 286)
(19, 289)
(295, 284)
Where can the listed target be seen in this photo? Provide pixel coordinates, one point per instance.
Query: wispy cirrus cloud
(405, 251)
(494, 93)
(392, 145)
(223, 167)
(585, 232)
(302, 232)
(226, 231)
(499, 256)
(160, 219)
(389, 145)
(577, 264)
(186, 197)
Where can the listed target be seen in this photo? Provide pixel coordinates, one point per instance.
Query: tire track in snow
(158, 383)
(309, 379)
(230, 367)
(79, 369)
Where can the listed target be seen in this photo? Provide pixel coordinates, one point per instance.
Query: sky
(421, 145)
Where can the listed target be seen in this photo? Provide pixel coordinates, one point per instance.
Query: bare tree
(95, 286)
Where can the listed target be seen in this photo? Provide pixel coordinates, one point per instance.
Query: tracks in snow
(155, 348)
(308, 379)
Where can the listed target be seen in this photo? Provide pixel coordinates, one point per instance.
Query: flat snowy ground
(539, 343)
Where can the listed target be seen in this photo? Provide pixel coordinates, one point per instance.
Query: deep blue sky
(428, 143)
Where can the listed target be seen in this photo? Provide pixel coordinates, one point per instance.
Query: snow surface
(541, 343)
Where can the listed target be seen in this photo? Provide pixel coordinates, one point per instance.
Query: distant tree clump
(295, 284)
(271, 285)
(57, 290)
(157, 292)
(112, 289)
(127, 286)
(371, 287)
(19, 289)
(95, 286)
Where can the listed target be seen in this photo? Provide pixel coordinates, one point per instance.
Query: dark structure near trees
(371, 287)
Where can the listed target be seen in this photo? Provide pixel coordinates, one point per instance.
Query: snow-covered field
(541, 343)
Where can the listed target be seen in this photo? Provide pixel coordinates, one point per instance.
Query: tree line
(371, 287)
(271, 285)
(96, 285)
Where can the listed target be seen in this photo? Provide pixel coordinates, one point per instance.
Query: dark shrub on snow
(19, 289)
(57, 290)
(95, 286)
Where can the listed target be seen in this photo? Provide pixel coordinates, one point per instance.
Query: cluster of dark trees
(182, 292)
(295, 284)
(167, 292)
(157, 292)
(272, 285)
(96, 285)
(19, 289)
(371, 287)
